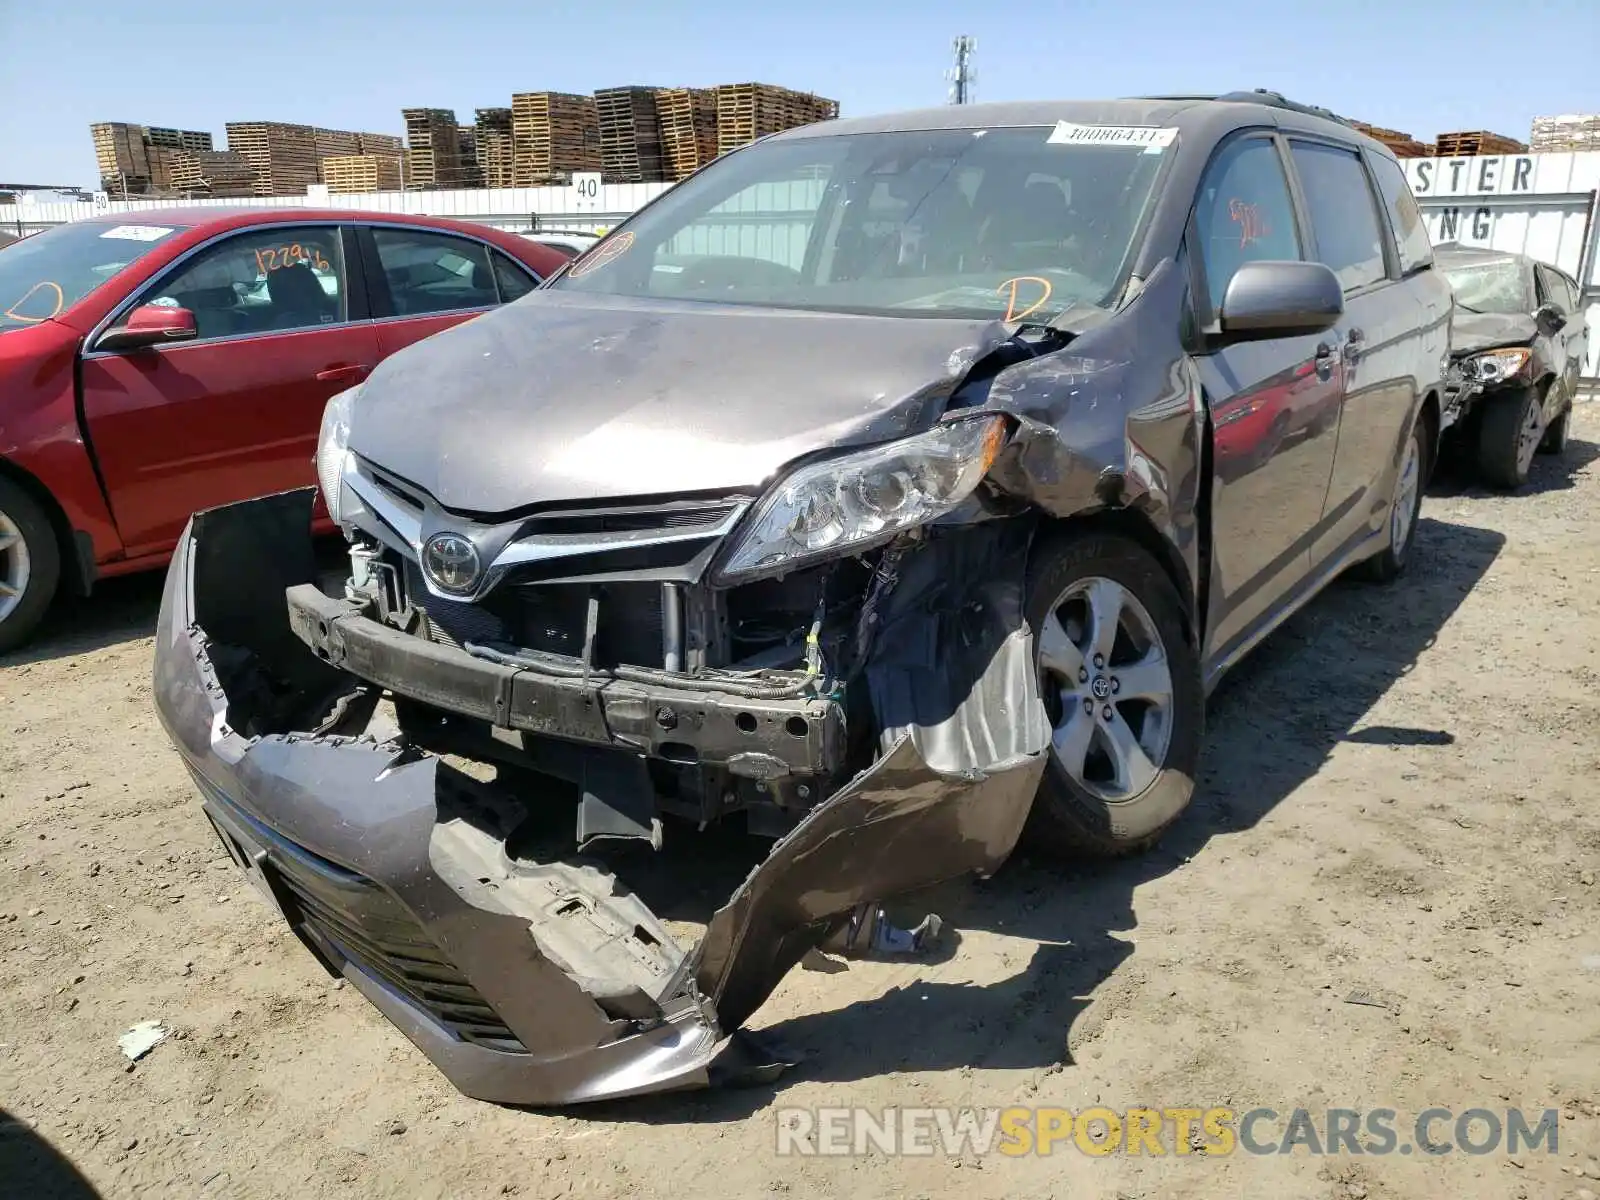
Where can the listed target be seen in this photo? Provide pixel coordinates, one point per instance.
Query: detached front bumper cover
(548, 982)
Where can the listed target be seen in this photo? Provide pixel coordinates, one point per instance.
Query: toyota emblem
(450, 562)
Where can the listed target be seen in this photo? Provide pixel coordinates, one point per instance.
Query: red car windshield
(44, 275)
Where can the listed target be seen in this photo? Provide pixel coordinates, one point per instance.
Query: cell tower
(960, 75)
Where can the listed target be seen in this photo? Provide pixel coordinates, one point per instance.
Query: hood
(1471, 332)
(569, 397)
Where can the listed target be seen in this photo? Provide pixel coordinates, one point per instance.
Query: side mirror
(150, 325)
(1550, 319)
(1280, 299)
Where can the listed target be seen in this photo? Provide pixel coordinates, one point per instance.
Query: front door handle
(1353, 344)
(345, 373)
(1323, 361)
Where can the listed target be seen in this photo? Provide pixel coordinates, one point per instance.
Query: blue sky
(1423, 66)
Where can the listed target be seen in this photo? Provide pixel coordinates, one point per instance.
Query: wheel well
(1138, 528)
(72, 564)
(1430, 413)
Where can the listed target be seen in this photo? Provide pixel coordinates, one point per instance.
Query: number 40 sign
(586, 189)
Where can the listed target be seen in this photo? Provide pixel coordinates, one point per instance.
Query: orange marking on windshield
(61, 302)
(1012, 312)
(602, 253)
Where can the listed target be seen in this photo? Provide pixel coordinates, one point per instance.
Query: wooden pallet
(347, 174)
(379, 143)
(1569, 134)
(433, 142)
(493, 140)
(1468, 144)
(553, 134)
(283, 157)
(630, 134)
(214, 173)
(747, 111)
(688, 122)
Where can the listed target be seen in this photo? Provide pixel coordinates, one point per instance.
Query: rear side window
(514, 281)
(1243, 213)
(1344, 219)
(1410, 231)
(434, 272)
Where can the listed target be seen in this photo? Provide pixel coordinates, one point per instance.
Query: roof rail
(1279, 100)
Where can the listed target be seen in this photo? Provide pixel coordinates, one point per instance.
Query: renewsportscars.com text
(1019, 1131)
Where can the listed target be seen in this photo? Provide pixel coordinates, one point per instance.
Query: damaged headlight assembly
(333, 451)
(845, 505)
(1495, 366)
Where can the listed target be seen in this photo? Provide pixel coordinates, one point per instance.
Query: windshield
(1492, 287)
(1007, 223)
(46, 274)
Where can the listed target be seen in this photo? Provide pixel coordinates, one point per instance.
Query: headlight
(848, 503)
(333, 450)
(1494, 365)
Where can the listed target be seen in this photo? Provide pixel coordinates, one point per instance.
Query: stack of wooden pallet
(434, 142)
(747, 111)
(215, 173)
(494, 146)
(553, 134)
(338, 143)
(123, 158)
(1466, 145)
(283, 157)
(350, 173)
(378, 143)
(1403, 144)
(688, 118)
(630, 134)
(1573, 133)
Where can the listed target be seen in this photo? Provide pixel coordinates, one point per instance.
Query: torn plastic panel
(544, 980)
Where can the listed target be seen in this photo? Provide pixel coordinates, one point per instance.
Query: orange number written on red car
(274, 258)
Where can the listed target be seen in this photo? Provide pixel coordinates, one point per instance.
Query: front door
(1274, 403)
(234, 413)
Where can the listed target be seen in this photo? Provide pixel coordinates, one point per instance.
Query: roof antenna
(961, 75)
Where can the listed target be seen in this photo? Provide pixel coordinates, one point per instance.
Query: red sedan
(154, 364)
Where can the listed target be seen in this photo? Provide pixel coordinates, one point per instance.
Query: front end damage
(383, 762)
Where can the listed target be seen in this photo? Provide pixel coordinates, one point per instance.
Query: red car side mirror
(150, 325)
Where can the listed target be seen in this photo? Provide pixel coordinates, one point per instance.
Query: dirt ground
(1399, 800)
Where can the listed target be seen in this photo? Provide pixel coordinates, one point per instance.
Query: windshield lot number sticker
(136, 233)
(1152, 139)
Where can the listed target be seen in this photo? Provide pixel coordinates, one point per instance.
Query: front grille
(687, 515)
(370, 928)
(353, 917)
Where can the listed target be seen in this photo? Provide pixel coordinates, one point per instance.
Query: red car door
(235, 412)
(424, 280)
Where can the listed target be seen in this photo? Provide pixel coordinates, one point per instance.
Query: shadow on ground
(1458, 478)
(1272, 725)
(31, 1167)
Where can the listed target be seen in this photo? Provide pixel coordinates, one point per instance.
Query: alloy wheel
(1529, 435)
(1403, 514)
(1107, 685)
(15, 568)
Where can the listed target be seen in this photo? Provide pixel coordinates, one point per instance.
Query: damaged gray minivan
(888, 486)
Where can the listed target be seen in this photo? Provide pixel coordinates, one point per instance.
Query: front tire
(1510, 432)
(30, 565)
(1122, 687)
